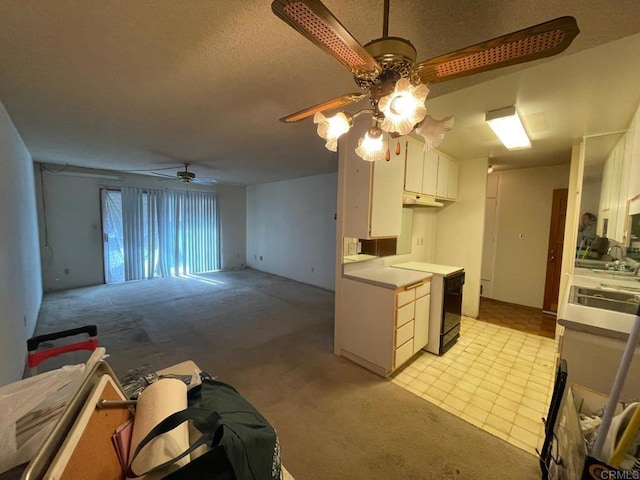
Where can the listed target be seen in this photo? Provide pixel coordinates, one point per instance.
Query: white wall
(291, 230)
(20, 280)
(423, 247)
(460, 231)
(71, 230)
(522, 234)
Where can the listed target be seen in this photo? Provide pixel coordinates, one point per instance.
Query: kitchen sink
(616, 298)
(615, 273)
(593, 264)
(602, 267)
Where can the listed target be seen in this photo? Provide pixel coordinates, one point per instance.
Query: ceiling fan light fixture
(332, 128)
(404, 107)
(506, 124)
(372, 147)
(433, 131)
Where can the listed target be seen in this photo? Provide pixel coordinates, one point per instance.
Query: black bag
(243, 445)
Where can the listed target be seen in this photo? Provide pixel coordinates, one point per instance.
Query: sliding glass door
(112, 236)
(159, 233)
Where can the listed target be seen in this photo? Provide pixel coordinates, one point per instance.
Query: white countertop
(596, 320)
(443, 270)
(388, 277)
(361, 257)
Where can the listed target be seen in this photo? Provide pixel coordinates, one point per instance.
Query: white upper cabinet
(452, 185)
(615, 191)
(429, 173)
(386, 195)
(633, 139)
(414, 165)
(373, 193)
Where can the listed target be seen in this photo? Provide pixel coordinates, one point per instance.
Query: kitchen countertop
(360, 257)
(388, 277)
(444, 270)
(594, 320)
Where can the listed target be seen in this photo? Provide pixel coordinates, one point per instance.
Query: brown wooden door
(554, 252)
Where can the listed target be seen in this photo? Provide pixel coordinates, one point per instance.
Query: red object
(36, 358)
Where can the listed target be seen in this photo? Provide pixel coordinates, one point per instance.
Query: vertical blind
(169, 232)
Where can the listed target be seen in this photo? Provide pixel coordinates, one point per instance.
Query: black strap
(208, 423)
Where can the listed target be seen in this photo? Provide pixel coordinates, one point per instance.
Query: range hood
(420, 201)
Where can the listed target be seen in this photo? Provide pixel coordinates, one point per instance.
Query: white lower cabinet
(384, 328)
(403, 353)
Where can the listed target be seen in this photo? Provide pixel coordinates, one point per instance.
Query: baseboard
(378, 370)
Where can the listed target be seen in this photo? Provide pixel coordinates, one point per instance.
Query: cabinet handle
(415, 285)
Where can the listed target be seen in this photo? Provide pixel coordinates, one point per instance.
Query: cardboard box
(570, 459)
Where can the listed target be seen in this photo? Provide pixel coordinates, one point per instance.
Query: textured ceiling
(148, 84)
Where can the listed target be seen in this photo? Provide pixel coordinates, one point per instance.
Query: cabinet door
(443, 177)
(430, 173)
(386, 197)
(403, 353)
(452, 184)
(634, 153)
(421, 323)
(413, 166)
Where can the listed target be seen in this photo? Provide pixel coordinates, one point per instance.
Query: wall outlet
(352, 249)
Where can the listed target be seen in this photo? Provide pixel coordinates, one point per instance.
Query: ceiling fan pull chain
(398, 148)
(387, 155)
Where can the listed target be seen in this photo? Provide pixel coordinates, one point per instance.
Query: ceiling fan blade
(156, 174)
(313, 20)
(539, 41)
(330, 105)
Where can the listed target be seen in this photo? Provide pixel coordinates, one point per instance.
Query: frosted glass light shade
(331, 128)
(507, 126)
(372, 147)
(404, 107)
(433, 131)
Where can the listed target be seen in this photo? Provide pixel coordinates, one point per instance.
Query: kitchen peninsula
(388, 312)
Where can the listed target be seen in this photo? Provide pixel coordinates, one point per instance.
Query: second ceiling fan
(386, 71)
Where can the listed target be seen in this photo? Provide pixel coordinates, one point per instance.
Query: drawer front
(403, 353)
(424, 289)
(404, 333)
(407, 296)
(405, 314)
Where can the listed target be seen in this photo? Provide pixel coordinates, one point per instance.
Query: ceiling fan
(185, 176)
(386, 71)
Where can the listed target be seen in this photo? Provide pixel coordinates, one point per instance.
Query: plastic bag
(30, 408)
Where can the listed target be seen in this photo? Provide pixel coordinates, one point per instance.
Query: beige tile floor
(495, 378)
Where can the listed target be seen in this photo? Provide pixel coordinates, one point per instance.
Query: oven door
(452, 302)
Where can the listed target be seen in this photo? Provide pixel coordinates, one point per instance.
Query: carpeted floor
(272, 338)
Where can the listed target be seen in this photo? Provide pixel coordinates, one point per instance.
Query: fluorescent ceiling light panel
(507, 126)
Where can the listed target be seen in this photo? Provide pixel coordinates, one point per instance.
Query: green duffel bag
(242, 444)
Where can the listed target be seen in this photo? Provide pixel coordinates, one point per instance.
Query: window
(158, 233)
